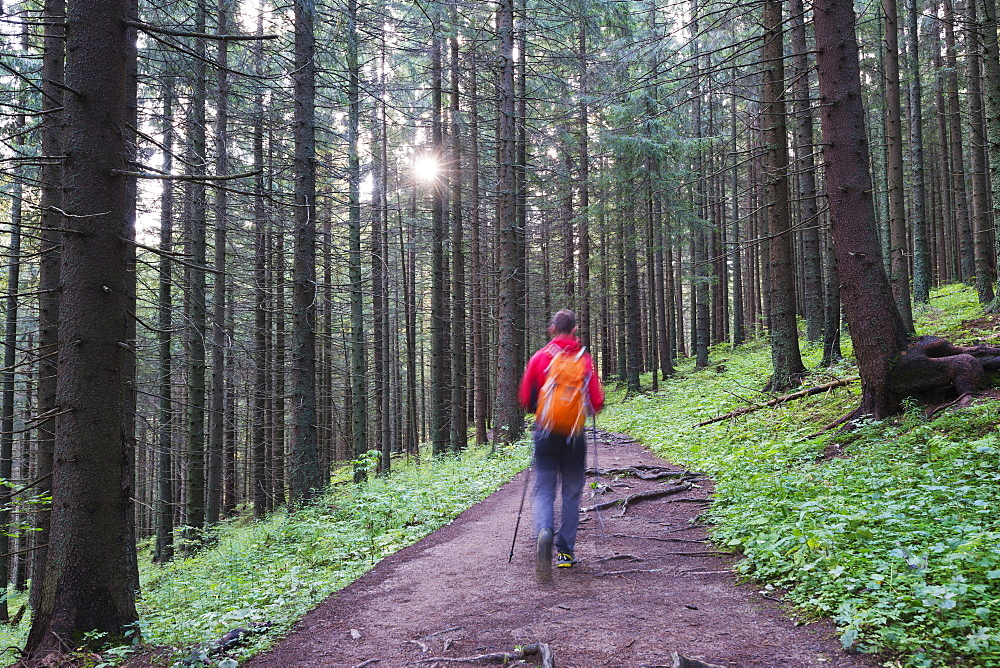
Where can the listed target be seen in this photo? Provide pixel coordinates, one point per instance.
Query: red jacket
(534, 374)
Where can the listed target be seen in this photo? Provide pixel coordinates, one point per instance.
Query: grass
(897, 539)
(265, 575)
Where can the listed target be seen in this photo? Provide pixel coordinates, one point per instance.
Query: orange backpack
(561, 400)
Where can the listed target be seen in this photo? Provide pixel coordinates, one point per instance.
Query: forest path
(630, 602)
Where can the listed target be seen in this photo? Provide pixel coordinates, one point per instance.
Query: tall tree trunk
(480, 356)
(380, 275)
(51, 202)
(509, 419)
(700, 323)
(440, 330)
(259, 421)
(918, 215)
(304, 479)
(831, 334)
(991, 100)
(982, 211)
(899, 270)
(213, 497)
(7, 378)
(359, 365)
(876, 326)
(521, 184)
(633, 334)
(278, 443)
(90, 572)
(459, 366)
(785, 355)
(956, 144)
(583, 217)
(164, 550)
(739, 317)
(196, 223)
(805, 166)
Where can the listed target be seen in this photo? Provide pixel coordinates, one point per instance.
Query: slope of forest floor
(891, 529)
(648, 584)
(894, 537)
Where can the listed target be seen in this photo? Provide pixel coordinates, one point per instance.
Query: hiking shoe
(565, 560)
(543, 553)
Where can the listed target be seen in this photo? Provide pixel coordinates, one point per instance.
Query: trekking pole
(524, 493)
(597, 474)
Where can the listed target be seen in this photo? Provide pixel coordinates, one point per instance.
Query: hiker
(562, 389)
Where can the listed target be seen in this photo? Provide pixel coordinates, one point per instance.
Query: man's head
(563, 322)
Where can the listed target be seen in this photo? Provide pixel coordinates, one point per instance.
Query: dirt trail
(630, 602)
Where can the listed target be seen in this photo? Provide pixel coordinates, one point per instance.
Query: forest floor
(647, 584)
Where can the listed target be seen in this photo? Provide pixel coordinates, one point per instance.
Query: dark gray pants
(558, 460)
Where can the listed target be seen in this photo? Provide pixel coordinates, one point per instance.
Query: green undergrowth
(265, 575)
(891, 529)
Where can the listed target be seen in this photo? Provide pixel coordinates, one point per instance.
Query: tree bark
(991, 109)
(876, 326)
(359, 365)
(197, 335)
(956, 144)
(459, 364)
(164, 549)
(51, 202)
(440, 330)
(918, 215)
(213, 497)
(90, 571)
(509, 419)
(304, 478)
(805, 166)
(7, 378)
(785, 355)
(259, 423)
(899, 270)
(982, 211)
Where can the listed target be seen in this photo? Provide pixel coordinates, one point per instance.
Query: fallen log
(808, 392)
(639, 496)
(541, 650)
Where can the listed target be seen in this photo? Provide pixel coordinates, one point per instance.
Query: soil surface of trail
(647, 584)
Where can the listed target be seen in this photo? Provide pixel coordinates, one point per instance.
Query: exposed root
(643, 472)
(639, 496)
(665, 540)
(678, 661)
(541, 650)
(630, 572)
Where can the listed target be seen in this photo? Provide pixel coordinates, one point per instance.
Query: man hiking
(562, 389)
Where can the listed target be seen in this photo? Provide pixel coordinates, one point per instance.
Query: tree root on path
(664, 540)
(678, 661)
(630, 572)
(541, 650)
(639, 496)
(643, 472)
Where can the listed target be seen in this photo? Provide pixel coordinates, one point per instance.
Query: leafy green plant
(898, 540)
(265, 575)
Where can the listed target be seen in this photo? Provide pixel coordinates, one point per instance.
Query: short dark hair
(563, 321)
